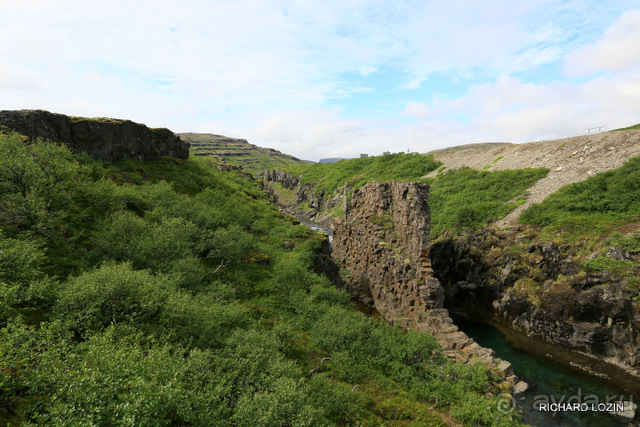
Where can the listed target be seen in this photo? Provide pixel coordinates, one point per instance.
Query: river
(553, 379)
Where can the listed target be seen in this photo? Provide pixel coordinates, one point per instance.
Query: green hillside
(172, 293)
(238, 152)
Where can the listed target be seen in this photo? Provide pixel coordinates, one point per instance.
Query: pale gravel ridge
(569, 160)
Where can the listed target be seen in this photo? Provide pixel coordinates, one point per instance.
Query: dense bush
(35, 182)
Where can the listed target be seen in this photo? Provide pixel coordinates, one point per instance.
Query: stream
(314, 226)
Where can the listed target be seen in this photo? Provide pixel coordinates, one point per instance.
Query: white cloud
(15, 78)
(365, 71)
(415, 83)
(617, 51)
(416, 110)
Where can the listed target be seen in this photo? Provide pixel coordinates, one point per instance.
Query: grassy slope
(356, 172)
(238, 152)
(590, 212)
(172, 293)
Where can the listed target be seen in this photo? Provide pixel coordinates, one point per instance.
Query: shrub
(113, 294)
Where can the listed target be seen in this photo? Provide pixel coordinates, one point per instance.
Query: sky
(330, 78)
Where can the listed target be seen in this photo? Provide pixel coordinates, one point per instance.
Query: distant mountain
(332, 160)
(238, 152)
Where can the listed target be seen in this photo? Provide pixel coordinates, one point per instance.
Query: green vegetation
(594, 205)
(469, 199)
(617, 267)
(171, 293)
(357, 172)
(629, 243)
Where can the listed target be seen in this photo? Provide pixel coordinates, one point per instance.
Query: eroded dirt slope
(569, 160)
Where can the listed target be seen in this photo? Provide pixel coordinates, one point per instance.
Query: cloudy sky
(325, 78)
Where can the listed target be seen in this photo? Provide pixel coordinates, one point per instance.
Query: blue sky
(330, 78)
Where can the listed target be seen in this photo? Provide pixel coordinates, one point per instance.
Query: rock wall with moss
(101, 138)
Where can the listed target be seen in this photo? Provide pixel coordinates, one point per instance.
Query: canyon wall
(382, 247)
(101, 138)
(303, 200)
(511, 277)
(540, 288)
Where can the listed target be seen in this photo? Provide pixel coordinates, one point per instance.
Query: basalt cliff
(102, 138)
(539, 288)
(382, 247)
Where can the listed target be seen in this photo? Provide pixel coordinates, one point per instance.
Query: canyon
(507, 274)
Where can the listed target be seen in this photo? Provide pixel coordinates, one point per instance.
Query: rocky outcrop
(286, 179)
(303, 200)
(383, 246)
(540, 288)
(101, 138)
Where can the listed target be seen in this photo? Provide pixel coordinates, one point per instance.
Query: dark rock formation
(287, 180)
(102, 138)
(383, 244)
(538, 288)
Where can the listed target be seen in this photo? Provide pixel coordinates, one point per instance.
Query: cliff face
(104, 139)
(539, 288)
(383, 245)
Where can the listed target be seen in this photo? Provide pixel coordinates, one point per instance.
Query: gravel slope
(569, 160)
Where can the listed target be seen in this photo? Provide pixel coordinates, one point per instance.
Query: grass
(469, 199)
(617, 267)
(357, 172)
(591, 207)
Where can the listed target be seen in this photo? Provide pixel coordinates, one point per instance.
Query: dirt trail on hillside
(569, 160)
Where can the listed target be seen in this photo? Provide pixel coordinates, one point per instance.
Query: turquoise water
(553, 379)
